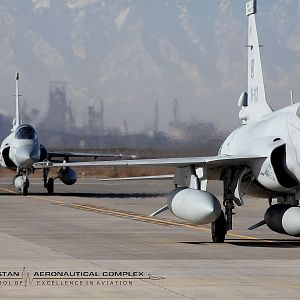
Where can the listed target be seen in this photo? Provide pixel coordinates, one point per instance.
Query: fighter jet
(261, 158)
(21, 149)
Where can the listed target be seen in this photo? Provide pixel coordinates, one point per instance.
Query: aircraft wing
(218, 162)
(87, 155)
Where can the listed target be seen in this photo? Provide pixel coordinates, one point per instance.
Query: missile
(283, 218)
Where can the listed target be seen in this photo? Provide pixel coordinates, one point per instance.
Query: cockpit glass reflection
(26, 133)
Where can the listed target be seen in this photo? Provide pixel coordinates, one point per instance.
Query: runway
(96, 240)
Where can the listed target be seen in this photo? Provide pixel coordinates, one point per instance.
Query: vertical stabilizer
(17, 119)
(256, 105)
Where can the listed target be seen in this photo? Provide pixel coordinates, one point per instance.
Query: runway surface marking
(135, 216)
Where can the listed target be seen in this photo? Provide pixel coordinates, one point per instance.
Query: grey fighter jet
(21, 149)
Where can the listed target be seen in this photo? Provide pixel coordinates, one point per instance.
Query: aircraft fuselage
(277, 137)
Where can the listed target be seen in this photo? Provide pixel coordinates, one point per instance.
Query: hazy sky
(132, 53)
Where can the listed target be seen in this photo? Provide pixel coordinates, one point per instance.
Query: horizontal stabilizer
(261, 223)
(159, 211)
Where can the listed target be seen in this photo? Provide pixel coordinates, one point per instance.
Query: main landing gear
(231, 183)
(218, 229)
(48, 183)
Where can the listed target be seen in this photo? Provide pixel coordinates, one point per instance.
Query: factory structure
(58, 127)
(95, 122)
(60, 115)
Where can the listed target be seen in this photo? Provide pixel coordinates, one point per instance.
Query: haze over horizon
(134, 53)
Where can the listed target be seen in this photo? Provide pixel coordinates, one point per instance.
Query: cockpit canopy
(298, 111)
(26, 132)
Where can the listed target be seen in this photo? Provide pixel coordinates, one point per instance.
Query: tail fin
(17, 118)
(256, 104)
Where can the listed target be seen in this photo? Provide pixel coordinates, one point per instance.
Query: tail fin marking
(257, 105)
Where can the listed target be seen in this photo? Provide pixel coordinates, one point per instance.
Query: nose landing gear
(25, 186)
(21, 183)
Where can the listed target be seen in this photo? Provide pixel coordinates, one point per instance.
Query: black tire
(218, 229)
(50, 186)
(25, 187)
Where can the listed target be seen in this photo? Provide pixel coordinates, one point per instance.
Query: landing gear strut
(228, 197)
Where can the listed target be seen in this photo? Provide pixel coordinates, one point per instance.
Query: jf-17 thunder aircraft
(21, 149)
(261, 158)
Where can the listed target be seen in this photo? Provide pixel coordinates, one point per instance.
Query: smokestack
(156, 117)
(125, 127)
(175, 111)
(101, 116)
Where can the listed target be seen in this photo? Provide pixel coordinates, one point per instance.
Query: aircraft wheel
(50, 186)
(218, 229)
(25, 187)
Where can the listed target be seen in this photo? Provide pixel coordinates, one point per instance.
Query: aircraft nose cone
(27, 155)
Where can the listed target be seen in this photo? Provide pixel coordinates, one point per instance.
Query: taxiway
(101, 230)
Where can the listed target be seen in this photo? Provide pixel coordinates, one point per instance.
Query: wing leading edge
(218, 161)
(87, 155)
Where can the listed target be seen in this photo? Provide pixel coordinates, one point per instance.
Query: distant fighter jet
(21, 149)
(261, 158)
